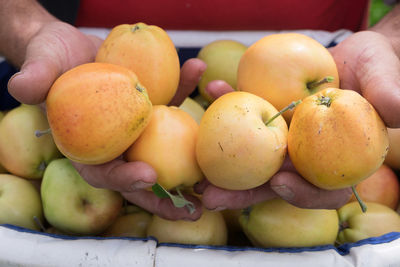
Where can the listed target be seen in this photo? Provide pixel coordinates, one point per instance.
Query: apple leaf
(179, 201)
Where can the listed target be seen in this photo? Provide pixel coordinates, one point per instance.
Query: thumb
(367, 63)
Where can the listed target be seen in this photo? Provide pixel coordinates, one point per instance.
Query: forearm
(19, 21)
(390, 27)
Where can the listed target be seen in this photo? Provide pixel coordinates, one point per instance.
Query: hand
(287, 184)
(367, 63)
(58, 47)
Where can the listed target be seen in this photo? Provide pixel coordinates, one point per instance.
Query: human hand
(367, 63)
(286, 183)
(58, 47)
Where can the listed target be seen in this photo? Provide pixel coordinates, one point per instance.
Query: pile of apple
(286, 103)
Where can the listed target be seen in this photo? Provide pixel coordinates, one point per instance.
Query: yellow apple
(393, 157)
(19, 202)
(276, 223)
(209, 229)
(356, 225)
(235, 148)
(2, 169)
(168, 145)
(336, 139)
(286, 67)
(21, 152)
(96, 111)
(222, 58)
(73, 206)
(193, 108)
(148, 51)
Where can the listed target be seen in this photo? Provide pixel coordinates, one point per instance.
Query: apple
(336, 139)
(222, 58)
(277, 223)
(22, 153)
(356, 225)
(148, 51)
(393, 157)
(20, 202)
(209, 229)
(96, 111)
(73, 206)
(193, 108)
(168, 145)
(381, 187)
(235, 148)
(2, 169)
(286, 67)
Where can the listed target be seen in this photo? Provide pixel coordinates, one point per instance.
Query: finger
(215, 198)
(367, 63)
(164, 207)
(118, 175)
(218, 88)
(191, 72)
(201, 186)
(297, 191)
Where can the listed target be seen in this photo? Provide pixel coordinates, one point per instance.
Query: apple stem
(314, 84)
(39, 223)
(39, 133)
(362, 204)
(288, 107)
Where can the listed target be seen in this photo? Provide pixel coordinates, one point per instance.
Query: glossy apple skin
(235, 149)
(19, 202)
(96, 111)
(209, 229)
(148, 51)
(222, 58)
(278, 68)
(73, 206)
(339, 145)
(276, 223)
(22, 153)
(376, 221)
(393, 157)
(381, 187)
(168, 145)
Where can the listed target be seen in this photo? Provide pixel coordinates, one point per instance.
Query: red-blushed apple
(236, 148)
(22, 153)
(20, 202)
(277, 223)
(356, 225)
(73, 206)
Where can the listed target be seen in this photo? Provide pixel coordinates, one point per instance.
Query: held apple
(235, 148)
(168, 145)
(356, 225)
(19, 202)
(96, 111)
(276, 223)
(209, 229)
(381, 187)
(148, 51)
(73, 206)
(336, 139)
(21, 152)
(286, 67)
(222, 58)
(393, 157)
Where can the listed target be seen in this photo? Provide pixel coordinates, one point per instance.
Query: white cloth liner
(22, 247)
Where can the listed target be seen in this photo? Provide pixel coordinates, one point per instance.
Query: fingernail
(283, 191)
(141, 185)
(219, 208)
(12, 78)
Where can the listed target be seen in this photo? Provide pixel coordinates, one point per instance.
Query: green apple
(209, 229)
(276, 223)
(73, 206)
(133, 222)
(193, 108)
(2, 169)
(222, 58)
(22, 153)
(356, 225)
(20, 202)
